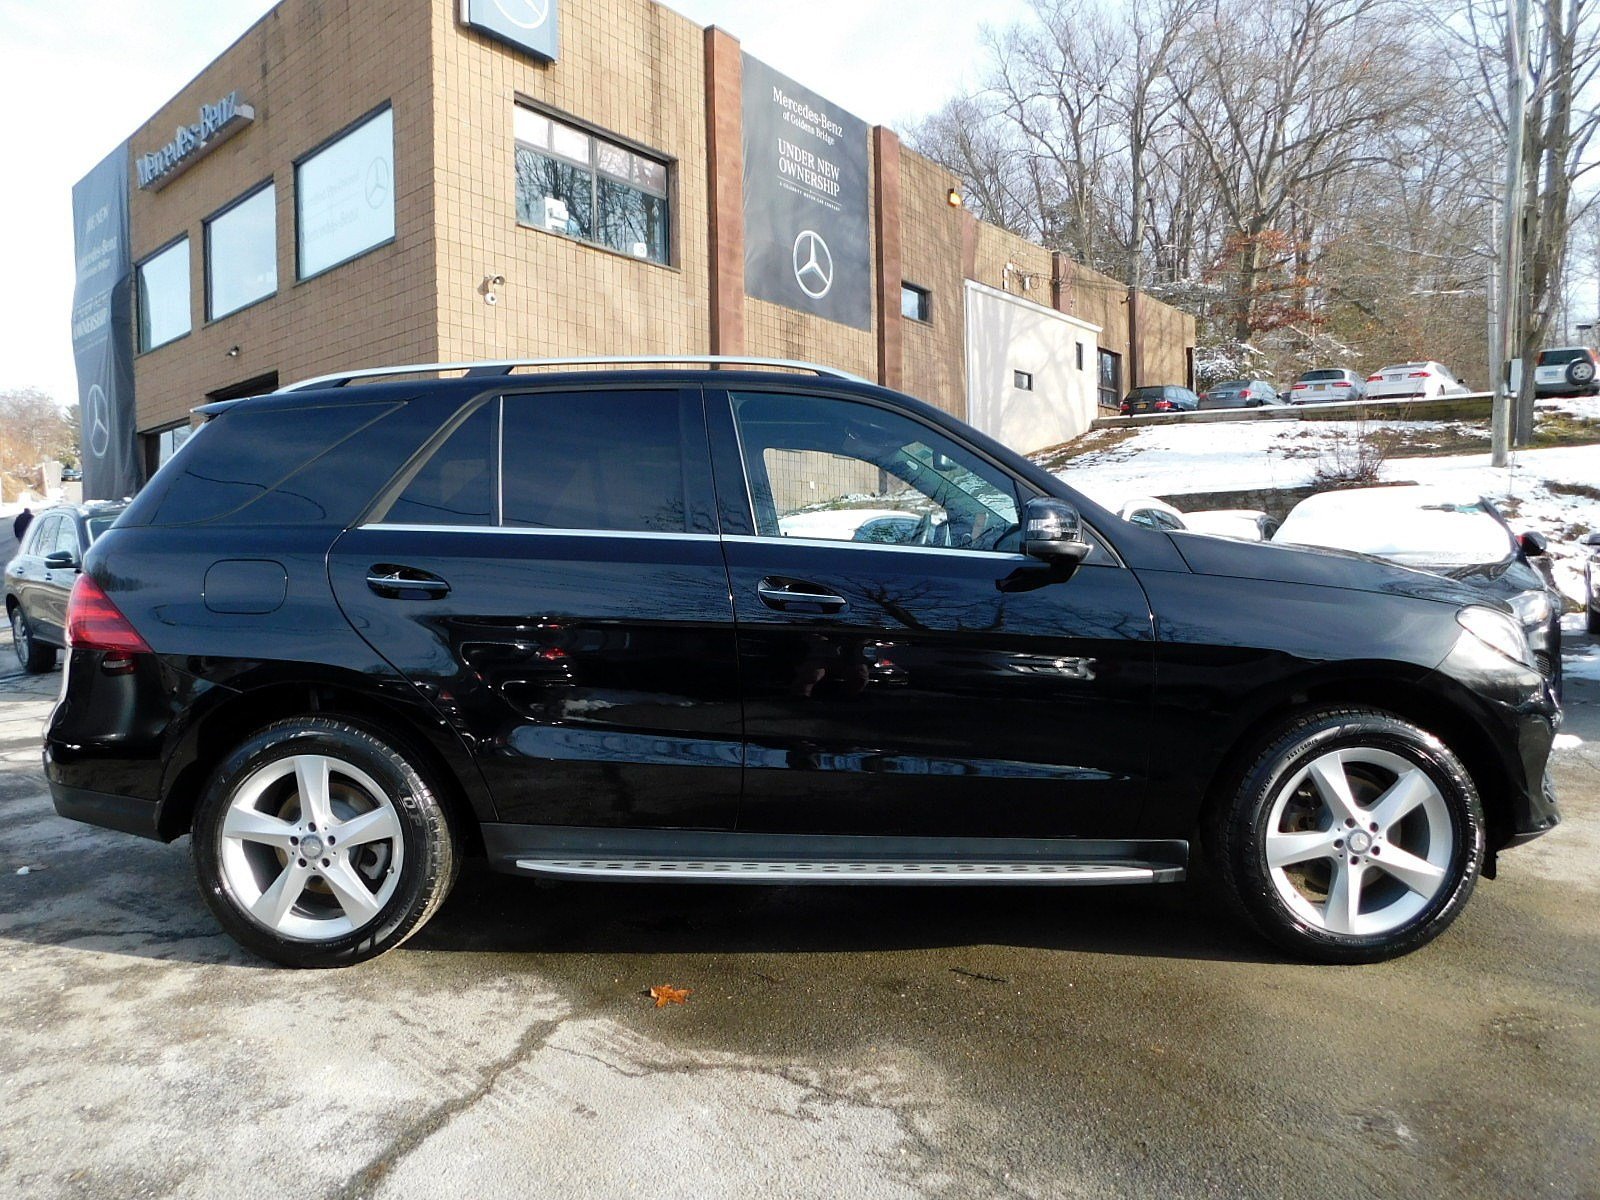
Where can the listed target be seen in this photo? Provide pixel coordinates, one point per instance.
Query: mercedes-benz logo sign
(377, 182)
(529, 14)
(98, 421)
(813, 264)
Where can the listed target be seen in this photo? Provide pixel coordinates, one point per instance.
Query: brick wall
(309, 68)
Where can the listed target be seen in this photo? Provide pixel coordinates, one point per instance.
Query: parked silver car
(1328, 385)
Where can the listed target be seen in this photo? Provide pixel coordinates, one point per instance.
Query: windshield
(1557, 358)
(1321, 376)
(1418, 532)
(98, 525)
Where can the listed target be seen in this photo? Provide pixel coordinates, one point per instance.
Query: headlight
(1532, 608)
(1497, 631)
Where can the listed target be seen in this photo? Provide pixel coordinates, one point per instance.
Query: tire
(1580, 372)
(1281, 841)
(332, 907)
(36, 657)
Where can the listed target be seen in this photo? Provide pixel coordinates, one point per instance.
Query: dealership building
(366, 182)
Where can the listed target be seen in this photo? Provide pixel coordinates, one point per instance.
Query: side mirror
(1533, 544)
(60, 560)
(1051, 531)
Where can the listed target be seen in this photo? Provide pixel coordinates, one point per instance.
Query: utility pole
(1508, 327)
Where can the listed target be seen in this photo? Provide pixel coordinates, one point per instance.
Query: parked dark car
(39, 578)
(360, 628)
(1432, 529)
(1328, 385)
(1240, 393)
(1166, 398)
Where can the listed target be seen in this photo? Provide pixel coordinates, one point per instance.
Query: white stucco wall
(1006, 334)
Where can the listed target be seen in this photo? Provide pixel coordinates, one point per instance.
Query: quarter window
(575, 183)
(839, 470)
(344, 196)
(242, 253)
(164, 296)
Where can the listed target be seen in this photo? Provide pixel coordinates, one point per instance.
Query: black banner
(102, 330)
(806, 244)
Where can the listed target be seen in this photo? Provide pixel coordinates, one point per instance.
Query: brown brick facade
(630, 69)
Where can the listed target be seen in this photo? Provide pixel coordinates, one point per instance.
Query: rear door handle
(406, 583)
(796, 595)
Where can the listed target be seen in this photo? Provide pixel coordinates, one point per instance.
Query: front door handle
(796, 595)
(406, 583)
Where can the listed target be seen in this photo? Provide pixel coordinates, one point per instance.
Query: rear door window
(597, 460)
(458, 484)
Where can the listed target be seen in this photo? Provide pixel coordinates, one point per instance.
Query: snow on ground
(1579, 659)
(1174, 460)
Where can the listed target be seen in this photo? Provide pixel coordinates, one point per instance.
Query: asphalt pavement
(837, 1042)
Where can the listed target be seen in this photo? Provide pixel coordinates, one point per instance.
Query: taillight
(1165, 406)
(1341, 383)
(1245, 395)
(94, 623)
(1417, 375)
(1299, 387)
(1374, 378)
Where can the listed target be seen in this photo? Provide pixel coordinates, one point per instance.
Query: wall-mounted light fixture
(233, 352)
(488, 286)
(954, 198)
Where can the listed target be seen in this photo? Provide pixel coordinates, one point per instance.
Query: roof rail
(505, 366)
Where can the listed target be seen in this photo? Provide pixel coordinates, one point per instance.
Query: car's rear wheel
(1354, 836)
(319, 844)
(36, 657)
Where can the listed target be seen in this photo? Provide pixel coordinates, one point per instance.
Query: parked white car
(1591, 582)
(1419, 380)
(1245, 524)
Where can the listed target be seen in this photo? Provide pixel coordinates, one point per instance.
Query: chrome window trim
(534, 531)
(826, 543)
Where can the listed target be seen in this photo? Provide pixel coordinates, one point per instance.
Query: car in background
(1591, 582)
(39, 579)
(1165, 398)
(1567, 371)
(1244, 524)
(879, 526)
(1464, 538)
(1416, 380)
(1240, 393)
(1328, 385)
(71, 474)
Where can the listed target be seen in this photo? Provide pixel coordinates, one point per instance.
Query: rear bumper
(126, 814)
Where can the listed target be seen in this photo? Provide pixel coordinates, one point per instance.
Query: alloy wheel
(311, 847)
(1359, 842)
(19, 635)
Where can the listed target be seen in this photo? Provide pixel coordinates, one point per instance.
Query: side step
(986, 872)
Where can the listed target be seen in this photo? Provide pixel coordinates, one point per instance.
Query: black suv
(360, 628)
(39, 579)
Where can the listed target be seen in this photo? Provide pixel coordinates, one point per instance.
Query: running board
(987, 873)
(727, 856)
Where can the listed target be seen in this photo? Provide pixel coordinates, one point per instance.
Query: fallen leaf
(666, 994)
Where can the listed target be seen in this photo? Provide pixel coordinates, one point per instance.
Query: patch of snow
(1567, 741)
(1422, 526)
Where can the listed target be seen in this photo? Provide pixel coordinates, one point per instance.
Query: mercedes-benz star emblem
(377, 182)
(813, 264)
(99, 422)
(529, 14)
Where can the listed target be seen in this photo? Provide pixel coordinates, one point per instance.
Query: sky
(77, 79)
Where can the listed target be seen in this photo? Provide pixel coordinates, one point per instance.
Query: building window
(1110, 379)
(242, 253)
(916, 304)
(1022, 380)
(163, 444)
(344, 196)
(570, 181)
(164, 295)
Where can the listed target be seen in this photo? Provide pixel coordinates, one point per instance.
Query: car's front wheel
(36, 657)
(318, 844)
(1354, 836)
